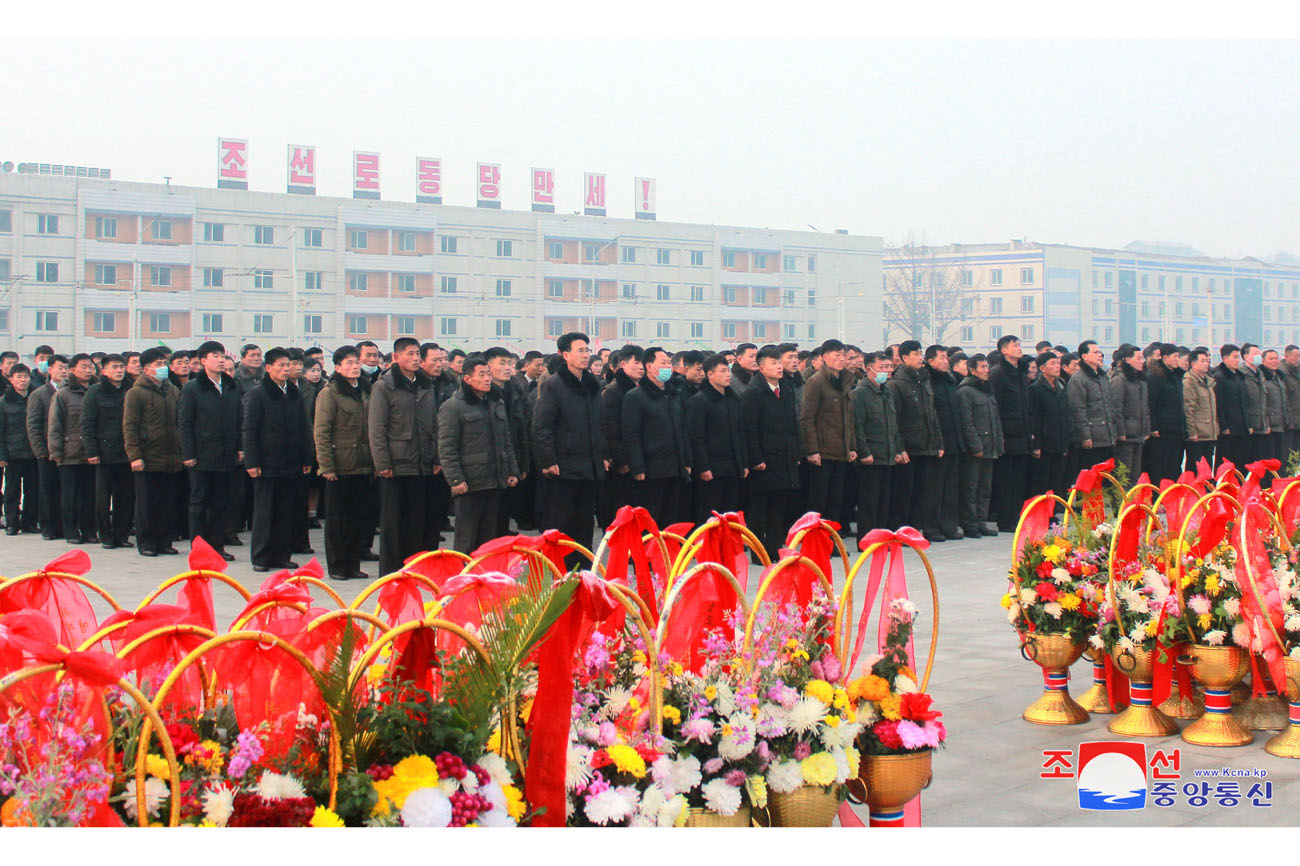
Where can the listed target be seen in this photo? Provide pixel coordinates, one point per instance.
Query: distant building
(104, 264)
(1067, 294)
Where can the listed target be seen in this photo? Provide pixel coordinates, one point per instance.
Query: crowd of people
(164, 445)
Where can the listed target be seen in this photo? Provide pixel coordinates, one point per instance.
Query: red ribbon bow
(624, 540)
(818, 543)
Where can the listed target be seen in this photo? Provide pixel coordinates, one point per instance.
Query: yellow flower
(514, 801)
(854, 758)
(526, 710)
(638, 657)
(1070, 601)
(757, 787)
(821, 690)
(1052, 553)
(627, 760)
(323, 817)
(494, 741)
(1151, 627)
(1006, 601)
(818, 769)
(800, 654)
(672, 714)
(711, 692)
(417, 767)
(831, 721)
(1203, 621)
(841, 699)
(156, 765)
(634, 704)
(891, 706)
(675, 668)
(727, 730)
(1212, 584)
(792, 643)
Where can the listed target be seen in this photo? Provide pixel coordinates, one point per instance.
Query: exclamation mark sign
(645, 195)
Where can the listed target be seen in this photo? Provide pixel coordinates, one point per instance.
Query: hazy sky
(1086, 142)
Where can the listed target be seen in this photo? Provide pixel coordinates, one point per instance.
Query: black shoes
(168, 551)
(368, 556)
(145, 552)
(226, 556)
(11, 530)
(232, 540)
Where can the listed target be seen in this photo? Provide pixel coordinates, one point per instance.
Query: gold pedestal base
(1263, 714)
(1240, 693)
(1217, 729)
(1285, 744)
(1055, 708)
(1143, 722)
(1190, 707)
(1096, 699)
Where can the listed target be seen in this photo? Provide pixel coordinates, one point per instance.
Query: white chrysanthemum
(784, 776)
(495, 818)
(1053, 609)
(493, 793)
(1232, 607)
(721, 798)
(1060, 575)
(867, 714)
(1028, 596)
(277, 786)
(841, 735)
(448, 786)
(615, 702)
(1295, 654)
(1013, 612)
(1139, 604)
(1103, 530)
(903, 606)
(577, 768)
(1096, 642)
(1138, 634)
(1125, 645)
(686, 774)
(1241, 636)
(905, 685)
(806, 714)
(155, 790)
(841, 764)
(726, 700)
(739, 742)
(1214, 638)
(772, 720)
(1293, 622)
(495, 765)
(673, 812)
(218, 804)
(426, 807)
(611, 806)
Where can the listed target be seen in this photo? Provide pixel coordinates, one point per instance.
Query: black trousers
(346, 532)
(566, 505)
(1235, 448)
(477, 516)
(237, 510)
(767, 516)
(1088, 458)
(976, 493)
(720, 495)
(615, 492)
(1129, 453)
(114, 502)
(1163, 458)
(209, 506)
(947, 475)
(900, 506)
(156, 505)
(826, 488)
(50, 512)
(275, 513)
(927, 480)
(1275, 447)
(1011, 481)
(1200, 449)
(21, 488)
(875, 489)
(848, 507)
(658, 496)
(402, 505)
(1049, 472)
(522, 500)
(435, 515)
(77, 495)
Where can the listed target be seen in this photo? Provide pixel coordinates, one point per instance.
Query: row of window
(663, 256)
(1025, 332)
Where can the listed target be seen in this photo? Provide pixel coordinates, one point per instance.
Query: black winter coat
(1230, 395)
(611, 418)
(1011, 390)
(918, 422)
(276, 438)
(1165, 398)
(945, 406)
(101, 422)
(654, 435)
(211, 423)
(713, 424)
(772, 436)
(567, 426)
(1049, 413)
(474, 441)
(14, 444)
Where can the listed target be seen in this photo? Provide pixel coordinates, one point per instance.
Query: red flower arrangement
(887, 733)
(252, 810)
(916, 707)
(1047, 591)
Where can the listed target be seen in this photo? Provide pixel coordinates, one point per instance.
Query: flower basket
(1218, 669)
(893, 781)
(698, 816)
(1054, 653)
(1287, 743)
(808, 806)
(1141, 719)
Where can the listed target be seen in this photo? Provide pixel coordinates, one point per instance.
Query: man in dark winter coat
(1256, 405)
(1275, 399)
(714, 426)
(1290, 370)
(1049, 414)
(654, 441)
(1230, 400)
(617, 489)
(38, 414)
(1128, 388)
(745, 368)
(477, 454)
(773, 446)
(20, 473)
(913, 500)
(68, 452)
(211, 418)
(152, 441)
(101, 431)
(980, 426)
(944, 484)
(341, 434)
(568, 446)
(1092, 409)
(1163, 458)
(826, 423)
(1010, 381)
(880, 445)
(277, 456)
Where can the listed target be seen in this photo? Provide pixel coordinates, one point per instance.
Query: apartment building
(103, 264)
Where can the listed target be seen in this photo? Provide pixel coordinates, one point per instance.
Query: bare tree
(928, 294)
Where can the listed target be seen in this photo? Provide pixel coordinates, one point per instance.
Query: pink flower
(712, 766)
(831, 667)
(699, 730)
(1241, 635)
(735, 778)
(1199, 604)
(801, 751)
(608, 734)
(763, 751)
(912, 735)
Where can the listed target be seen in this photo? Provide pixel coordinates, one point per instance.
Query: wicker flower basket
(806, 806)
(700, 817)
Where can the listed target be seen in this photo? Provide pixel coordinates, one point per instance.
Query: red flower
(648, 753)
(254, 811)
(887, 733)
(1047, 591)
(600, 759)
(916, 707)
(1045, 569)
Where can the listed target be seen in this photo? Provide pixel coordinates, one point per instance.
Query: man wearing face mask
(880, 444)
(41, 359)
(1257, 428)
(617, 489)
(371, 359)
(151, 437)
(654, 441)
(38, 413)
(1275, 398)
(826, 424)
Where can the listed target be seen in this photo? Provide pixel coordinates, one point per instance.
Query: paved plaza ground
(988, 775)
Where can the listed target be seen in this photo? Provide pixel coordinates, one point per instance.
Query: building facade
(1066, 294)
(90, 265)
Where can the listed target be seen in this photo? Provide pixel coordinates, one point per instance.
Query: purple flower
(831, 667)
(801, 751)
(608, 734)
(735, 778)
(699, 730)
(763, 751)
(817, 671)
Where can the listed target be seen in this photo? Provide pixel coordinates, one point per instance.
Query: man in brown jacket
(341, 430)
(153, 445)
(68, 451)
(1200, 408)
(827, 427)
